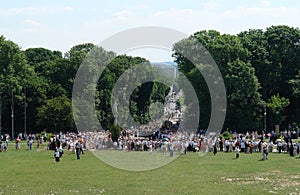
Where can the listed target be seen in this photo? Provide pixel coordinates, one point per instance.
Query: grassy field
(35, 172)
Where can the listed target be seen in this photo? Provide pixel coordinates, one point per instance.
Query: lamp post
(289, 132)
(265, 118)
(0, 116)
(12, 115)
(25, 113)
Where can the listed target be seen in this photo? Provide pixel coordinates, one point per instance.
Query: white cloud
(122, 15)
(137, 7)
(39, 10)
(266, 3)
(42, 29)
(68, 9)
(191, 20)
(244, 18)
(32, 22)
(210, 5)
(270, 11)
(25, 10)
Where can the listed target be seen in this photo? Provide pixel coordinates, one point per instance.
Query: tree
(115, 132)
(15, 74)
(256, 43)
(56, 115)
(274, 53)
(244, 100)
(243, 97)
(277, 105)
(43, 87)
(139, 100)
(55, 75)
(295, 85)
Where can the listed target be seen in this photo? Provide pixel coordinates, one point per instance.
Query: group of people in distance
(173, 143)
(56, 143)
(58, 152)
(249, 143)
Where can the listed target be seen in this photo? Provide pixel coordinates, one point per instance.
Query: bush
(226, 135)
(49, 135)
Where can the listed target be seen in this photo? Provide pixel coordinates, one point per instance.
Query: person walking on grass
(57, 155)
(265, 153)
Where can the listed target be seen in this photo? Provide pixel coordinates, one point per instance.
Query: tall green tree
(243, 97)
(44, 86)
(56, 115)
(256, 43)
(15, 74)
(274, 53)
(140, 99)
(284, 49)
(277, 105)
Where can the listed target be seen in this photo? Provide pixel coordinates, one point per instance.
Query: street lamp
(25, 113)
(289, 131)
(0, 116)
(12, 114)
(265, 118)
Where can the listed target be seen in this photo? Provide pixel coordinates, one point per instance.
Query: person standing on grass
(237, 152)
(45, 137)
(215, 149)
(56, 155)
(60, 150)
(7, 137)
(5, 146)
(150, 146)
(265, 153)
(78, 149)
(221, 144)
(171, 150)
(17, 143)
(38, 143)
(279, 146)
(29, 144)
(227, 145)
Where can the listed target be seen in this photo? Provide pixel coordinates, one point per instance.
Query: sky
(61, 24)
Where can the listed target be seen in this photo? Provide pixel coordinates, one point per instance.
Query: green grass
(35, 172)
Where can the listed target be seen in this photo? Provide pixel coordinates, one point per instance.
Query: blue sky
(61, 24)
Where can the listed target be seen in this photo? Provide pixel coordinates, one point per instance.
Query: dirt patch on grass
(278, 182)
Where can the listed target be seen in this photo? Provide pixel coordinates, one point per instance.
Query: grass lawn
(35, 172)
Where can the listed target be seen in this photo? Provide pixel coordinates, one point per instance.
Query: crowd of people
(155, 138)
(249, 143)
(168, 143)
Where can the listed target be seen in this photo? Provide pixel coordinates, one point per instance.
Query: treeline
(40, 81)
(259, 67)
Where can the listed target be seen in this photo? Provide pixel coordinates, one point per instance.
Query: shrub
(226, 135)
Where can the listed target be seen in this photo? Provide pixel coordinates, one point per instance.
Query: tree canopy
(259, 67)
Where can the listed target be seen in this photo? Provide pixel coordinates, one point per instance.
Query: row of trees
(39, 82)
(260, 68)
